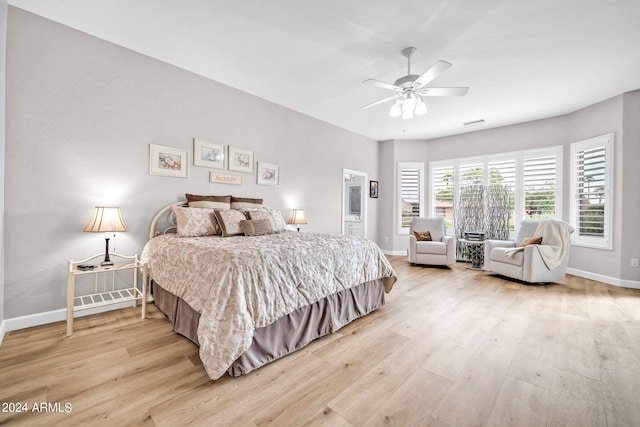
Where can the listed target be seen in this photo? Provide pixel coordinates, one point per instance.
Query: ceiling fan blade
(383, 84)
(382, 101)
(443, 91)
(433, 72)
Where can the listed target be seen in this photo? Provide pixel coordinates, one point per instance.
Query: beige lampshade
(106, 219)
(297, 217)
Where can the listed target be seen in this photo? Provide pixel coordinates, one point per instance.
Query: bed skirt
(287, 334)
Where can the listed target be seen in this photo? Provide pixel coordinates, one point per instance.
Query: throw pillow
(256, 227)
(229, 221)
(422, 236)
(274, 217)
(531, 241)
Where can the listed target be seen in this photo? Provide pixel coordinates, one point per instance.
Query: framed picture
(268, 174)
(168, 161)
(240, 160)
(373, 189)
(209, 154)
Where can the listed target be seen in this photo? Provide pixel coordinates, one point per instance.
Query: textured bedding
(239, 284)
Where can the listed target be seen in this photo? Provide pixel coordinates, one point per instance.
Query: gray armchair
(528, 264)
(441, 250)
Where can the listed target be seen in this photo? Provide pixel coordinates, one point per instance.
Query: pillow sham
(229, 221)
(245, 202)
(278, 219)
(273, 216)
(256, 227)
(213, 202)
(531, 241)
(195, 222)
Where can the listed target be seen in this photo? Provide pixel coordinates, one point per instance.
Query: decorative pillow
(213, 202)
(256, 227)
(531, 241)
(229, 221)
(422, 236)
(278, 220)
(195, 222)
(245, 202)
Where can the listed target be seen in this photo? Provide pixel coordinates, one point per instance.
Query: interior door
(354, 203)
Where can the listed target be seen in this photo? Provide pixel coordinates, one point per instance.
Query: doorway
(354, 203)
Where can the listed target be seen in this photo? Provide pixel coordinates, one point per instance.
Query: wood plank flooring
(452, 347)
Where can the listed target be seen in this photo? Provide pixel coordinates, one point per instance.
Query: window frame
(421, 193)
(606, 141)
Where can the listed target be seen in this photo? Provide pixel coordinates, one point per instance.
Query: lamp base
(107, 261)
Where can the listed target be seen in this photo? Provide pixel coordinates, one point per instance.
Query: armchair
(441, 250)
(530, 263)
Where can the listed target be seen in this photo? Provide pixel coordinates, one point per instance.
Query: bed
(247, 300)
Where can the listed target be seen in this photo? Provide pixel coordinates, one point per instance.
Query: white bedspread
(239, 284)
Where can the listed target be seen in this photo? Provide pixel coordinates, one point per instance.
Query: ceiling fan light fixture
(421, 107)
(407, 113)
(396, 109)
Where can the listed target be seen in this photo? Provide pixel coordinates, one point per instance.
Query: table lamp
(106, 220)
(297, 218)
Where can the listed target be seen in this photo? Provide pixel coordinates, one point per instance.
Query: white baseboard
(623, 283)
(38, 319)
(394, 253)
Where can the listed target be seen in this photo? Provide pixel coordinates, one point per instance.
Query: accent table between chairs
(473, 252)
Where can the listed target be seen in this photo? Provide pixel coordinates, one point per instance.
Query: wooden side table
(105, 291)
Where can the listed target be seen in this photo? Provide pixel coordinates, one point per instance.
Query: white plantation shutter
(442, 186)
(411, 191)
(472, 172)
(532, 178)
(502, 173)
(539, 184)
(591, 172)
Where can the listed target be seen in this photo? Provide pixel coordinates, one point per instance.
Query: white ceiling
(523, 60)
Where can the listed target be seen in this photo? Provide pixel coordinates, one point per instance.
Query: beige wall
(81, 114)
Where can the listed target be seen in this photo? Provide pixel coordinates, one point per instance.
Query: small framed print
(168, 161)
(240, 160)
(373, 189)
(209, 154)
(221, 178)
(268, 174)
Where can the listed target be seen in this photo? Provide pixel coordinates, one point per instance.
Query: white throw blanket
(555, 239)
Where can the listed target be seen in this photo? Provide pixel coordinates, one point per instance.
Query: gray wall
(81, 114)
(618, 115)
(630, 190)
(3, 45)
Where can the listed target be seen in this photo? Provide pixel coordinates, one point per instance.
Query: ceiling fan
(411, 88)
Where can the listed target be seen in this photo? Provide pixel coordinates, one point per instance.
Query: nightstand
(105, 291)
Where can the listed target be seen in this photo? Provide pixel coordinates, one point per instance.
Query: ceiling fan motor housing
(407, 80)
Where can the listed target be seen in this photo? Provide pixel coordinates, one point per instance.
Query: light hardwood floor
(450, 348)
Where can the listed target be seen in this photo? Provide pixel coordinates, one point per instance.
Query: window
(591, 190)
(530, 180)
(411, 193)
(539, 184)
(442, 188)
